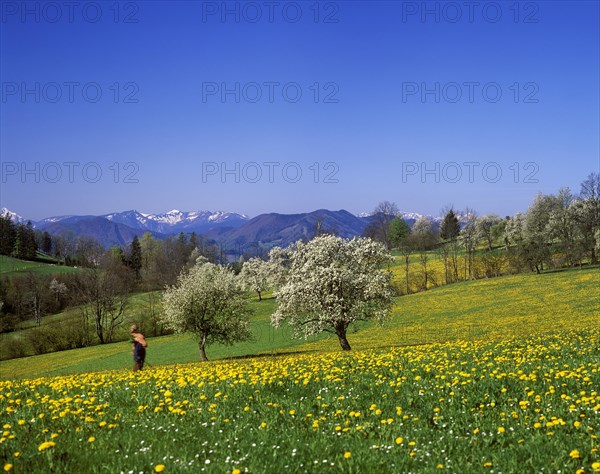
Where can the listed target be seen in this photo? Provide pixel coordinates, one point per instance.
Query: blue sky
(161, 105)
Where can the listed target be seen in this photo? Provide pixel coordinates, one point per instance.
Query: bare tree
(88, 251)
(37, 296)
(378, 229)
(443, 252)
(589, 214)
(468, 238)
(104, 294)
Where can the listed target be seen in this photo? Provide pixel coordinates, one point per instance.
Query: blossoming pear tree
(333, 283)
(255, 276)
(209, 302)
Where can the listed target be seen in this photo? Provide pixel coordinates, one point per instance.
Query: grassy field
(10, 266)
(499, 375)
(509, 306)
(175, 349)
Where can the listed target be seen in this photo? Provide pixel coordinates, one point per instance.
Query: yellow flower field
(463, 405)
(503, 377)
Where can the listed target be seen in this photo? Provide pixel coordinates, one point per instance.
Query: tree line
(557, 230)
(99, 291)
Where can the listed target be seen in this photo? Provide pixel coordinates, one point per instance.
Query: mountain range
(235, 231)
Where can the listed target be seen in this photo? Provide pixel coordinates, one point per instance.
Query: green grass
(499, 406)
(174, 349)
(498, 375)
(516, 305)
(507, 306)
(10, 266)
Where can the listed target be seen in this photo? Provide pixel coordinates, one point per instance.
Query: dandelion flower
(46, 445)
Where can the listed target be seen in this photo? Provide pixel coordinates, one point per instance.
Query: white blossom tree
(332, 283)
(255, 276)
(279, 264)
(485, 228)
(209, 302)
(468, 238)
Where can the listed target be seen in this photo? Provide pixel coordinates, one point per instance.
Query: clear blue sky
(388, 91)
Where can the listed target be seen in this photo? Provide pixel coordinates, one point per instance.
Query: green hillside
(10, 266)
(520, 305)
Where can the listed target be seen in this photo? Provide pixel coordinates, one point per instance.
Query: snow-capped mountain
(13, 215)
(51, 220)
(178, 221)
(410, 217)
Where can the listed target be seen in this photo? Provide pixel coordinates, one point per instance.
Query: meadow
(498, 375)
(10, 266)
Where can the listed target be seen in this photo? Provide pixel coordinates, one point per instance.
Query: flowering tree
(333, 283)
(209, 302)
(279, 264)
(255, 275)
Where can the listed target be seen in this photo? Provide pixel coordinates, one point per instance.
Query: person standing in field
(139, 348)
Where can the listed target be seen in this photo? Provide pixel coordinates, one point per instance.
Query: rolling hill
(511, 306)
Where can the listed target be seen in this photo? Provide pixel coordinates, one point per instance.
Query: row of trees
(556, 231)
(21, 240)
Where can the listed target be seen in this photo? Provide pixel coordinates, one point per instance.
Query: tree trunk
(407, 261)
(99, 328)
(340, 330)
(259, 296)
(202, 346)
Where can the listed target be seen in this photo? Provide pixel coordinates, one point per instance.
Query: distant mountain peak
(175, 220)
(13, 215)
